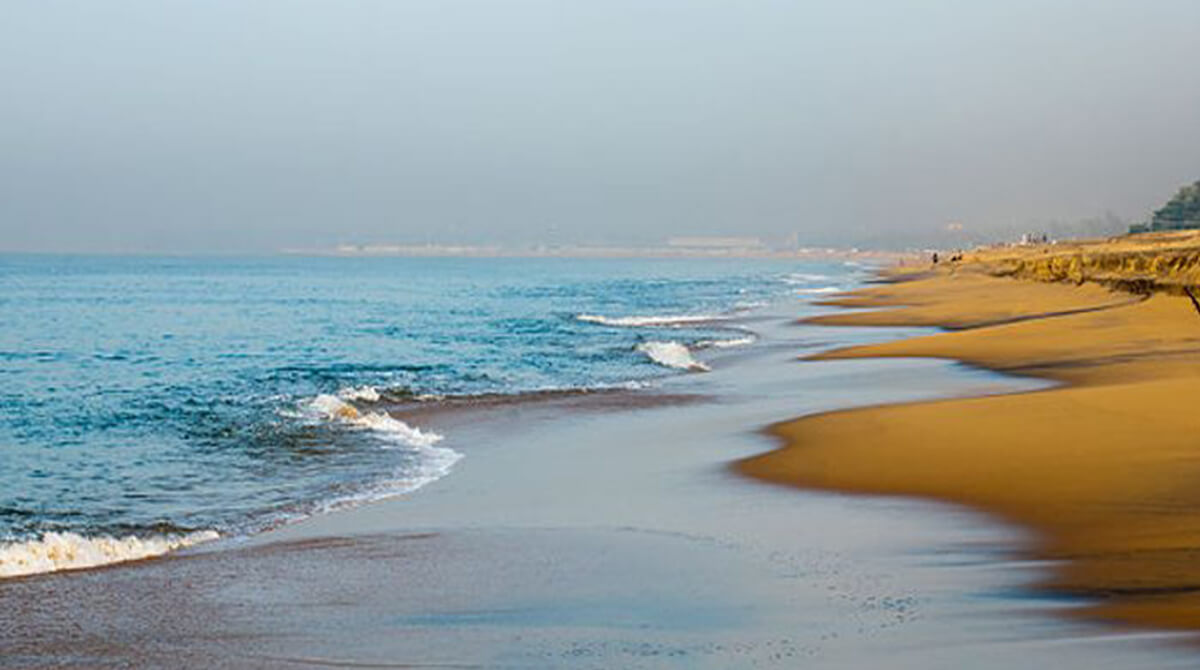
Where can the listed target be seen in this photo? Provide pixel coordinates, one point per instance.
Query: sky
(234, 126)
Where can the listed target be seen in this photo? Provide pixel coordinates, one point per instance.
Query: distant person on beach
(935, 258)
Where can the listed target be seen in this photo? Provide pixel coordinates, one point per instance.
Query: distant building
(716, 243)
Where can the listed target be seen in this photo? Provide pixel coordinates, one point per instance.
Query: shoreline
(1100, 467)
(581, 534)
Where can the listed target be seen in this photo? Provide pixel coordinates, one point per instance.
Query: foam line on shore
(730, 343)
(650, 321)
(53, 552)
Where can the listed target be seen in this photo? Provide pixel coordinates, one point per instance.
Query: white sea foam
(432, 462)
(747, 305)
(727, 344)
(672, 355)
(363, 393)
(803, 278)
(334, 408)
(820, 290)
(649, 321)
(71, 551)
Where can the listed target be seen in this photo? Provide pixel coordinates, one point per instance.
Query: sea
(150, 403)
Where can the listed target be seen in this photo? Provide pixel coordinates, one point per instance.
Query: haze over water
(140, 125)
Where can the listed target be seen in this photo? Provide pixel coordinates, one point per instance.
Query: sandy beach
(606, 531)
(1102, 467)
(614, 335)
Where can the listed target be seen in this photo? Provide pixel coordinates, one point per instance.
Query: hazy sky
(228, 125)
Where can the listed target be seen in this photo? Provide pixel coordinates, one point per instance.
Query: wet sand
(1104, 469)
(594, 532)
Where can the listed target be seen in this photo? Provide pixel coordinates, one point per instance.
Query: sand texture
(1104, 468)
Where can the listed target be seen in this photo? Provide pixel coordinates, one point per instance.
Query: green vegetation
(1180, 212)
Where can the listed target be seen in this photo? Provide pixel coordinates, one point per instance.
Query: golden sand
(1105, 468)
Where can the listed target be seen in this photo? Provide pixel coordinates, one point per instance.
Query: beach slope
(1104, 468)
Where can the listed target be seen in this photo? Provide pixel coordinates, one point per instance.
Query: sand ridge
(1105, 468)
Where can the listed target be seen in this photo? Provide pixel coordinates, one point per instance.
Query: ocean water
(149, 403)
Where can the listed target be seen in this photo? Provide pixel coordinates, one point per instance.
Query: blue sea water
(152, 396)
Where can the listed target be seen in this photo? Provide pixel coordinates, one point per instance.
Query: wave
(820, 290)
(332, 407)
(71, 551)
(727, 344)
(672, 355)
(363, 393)
(648, 321)
(432, 462)
(803, 278)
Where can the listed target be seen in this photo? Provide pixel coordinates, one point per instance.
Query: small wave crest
(432, 462)
(672, 355)
(803, 278)
(70, 551)
(648, 321)
(362, 393)
(820, 290)
(727, 344)
(335, 408)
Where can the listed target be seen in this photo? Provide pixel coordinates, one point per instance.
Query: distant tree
(1181, 211)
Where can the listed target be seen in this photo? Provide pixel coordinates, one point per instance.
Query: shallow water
(161, 396)
(603, 530)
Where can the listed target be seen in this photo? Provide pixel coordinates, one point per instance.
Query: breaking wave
(332, 407)
(820, 290)
(363, 393)
(672, 355)
(71, 551)
(648, 321)
(432, 462)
